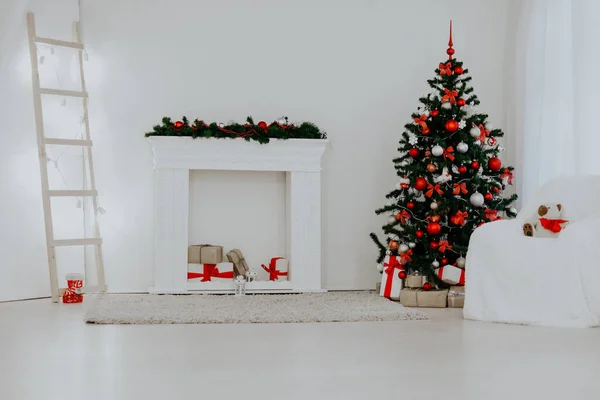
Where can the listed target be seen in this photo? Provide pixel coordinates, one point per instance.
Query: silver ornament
(435, 263)
(437, 150)
(488, 126)
(477, 199)
(412, 245)
(462, 147)
(474, 131)
(221, 125)
(512, 210)
(403, 248)
(433, 206)
(391, 219)
(446, 105)
(380, 267)
(460, 262)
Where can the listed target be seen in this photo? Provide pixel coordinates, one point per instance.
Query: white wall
(355, 68)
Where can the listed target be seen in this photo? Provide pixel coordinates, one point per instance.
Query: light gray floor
(48, 353)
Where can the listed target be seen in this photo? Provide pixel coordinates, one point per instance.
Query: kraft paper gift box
(391, 284)
(277, 269)
(221, 272)
(456, 297)
(432, 298)
(408, 297)
(240, 267)
(415, 281)
(451, 275)
(205, 254)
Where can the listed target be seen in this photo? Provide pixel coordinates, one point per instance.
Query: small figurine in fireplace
(240, 285)
(251, 274)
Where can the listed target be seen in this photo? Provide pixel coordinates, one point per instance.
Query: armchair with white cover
(512, 278)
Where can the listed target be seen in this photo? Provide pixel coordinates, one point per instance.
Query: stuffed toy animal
(549, 222)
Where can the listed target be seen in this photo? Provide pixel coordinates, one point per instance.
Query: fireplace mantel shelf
(174, 157)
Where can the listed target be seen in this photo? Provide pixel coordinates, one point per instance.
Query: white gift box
(277, 269)
(451, 275)
(221, 272)
(391, 284)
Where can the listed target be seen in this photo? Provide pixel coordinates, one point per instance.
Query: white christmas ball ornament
(488, 126)
(403, 248)
(435, 264)
(380, 267)
(446, 105)
(412, 245)
(461, 262)
(462, 147)
(476, 199)
(437, 150)
(474, 132)
(512, 210)
(391, 219)
(433, 206)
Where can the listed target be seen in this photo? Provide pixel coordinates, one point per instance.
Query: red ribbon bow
(443, 245)
(390, 267)
(274, 273)
(432, 189)
(460, 188)
(552, 225)
(483, 133)
(448, 153)
(459, 218)
(403, 216)
(492, 215)
(450, 96)
(507, 174)
(446, 69)
(405, 257)
(422, 124)
(209, 271)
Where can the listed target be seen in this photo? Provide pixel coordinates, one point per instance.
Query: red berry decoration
(433, 228)
(488, 197)
(462, 169)
(494, 164)
(410, 205)
(414, 152)
(402, 274)
(434, 113)
(444, 261)
(458, 70)
(433, 245)
(420, 183)
(262, 125)
(461, 102)
(419, 234)
(178, 125)
(427, 286)
(451, 125)
(475, 165)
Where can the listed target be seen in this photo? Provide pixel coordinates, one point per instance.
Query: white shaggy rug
(228, 309)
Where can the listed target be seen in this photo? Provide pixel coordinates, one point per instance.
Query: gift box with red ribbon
(221, 272)
(73, 292)
(451, 275)
(391, 283)
(277, 269)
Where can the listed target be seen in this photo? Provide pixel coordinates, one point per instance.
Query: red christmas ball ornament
(402, 274)
(462, 169)
(178, 125)
(414, 152)
(433, 245)
(394, 245)
(434, 113)
(451, 125)
(475, 164)
(444, 261)
(433, 228)
(494, 164)
(458, 70)
(435, 218)
(420, 183)
(262, 125)
(410, 205)
(419, 234)
(488, 197)
(431, 168)
(461, 102)
(496, 189)
(427, 286)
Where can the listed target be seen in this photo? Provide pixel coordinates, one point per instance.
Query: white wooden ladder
(42, 141)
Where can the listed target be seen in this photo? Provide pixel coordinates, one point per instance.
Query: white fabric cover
(516, 279)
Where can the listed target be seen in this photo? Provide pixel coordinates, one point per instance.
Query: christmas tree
(451, 179)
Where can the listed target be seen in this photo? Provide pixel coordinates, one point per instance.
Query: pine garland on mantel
(260, 132)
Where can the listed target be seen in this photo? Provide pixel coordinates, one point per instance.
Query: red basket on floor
(73, 294)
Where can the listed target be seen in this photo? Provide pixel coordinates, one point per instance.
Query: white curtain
(555, 90)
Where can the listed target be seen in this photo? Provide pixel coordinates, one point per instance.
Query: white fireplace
(300, 159)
